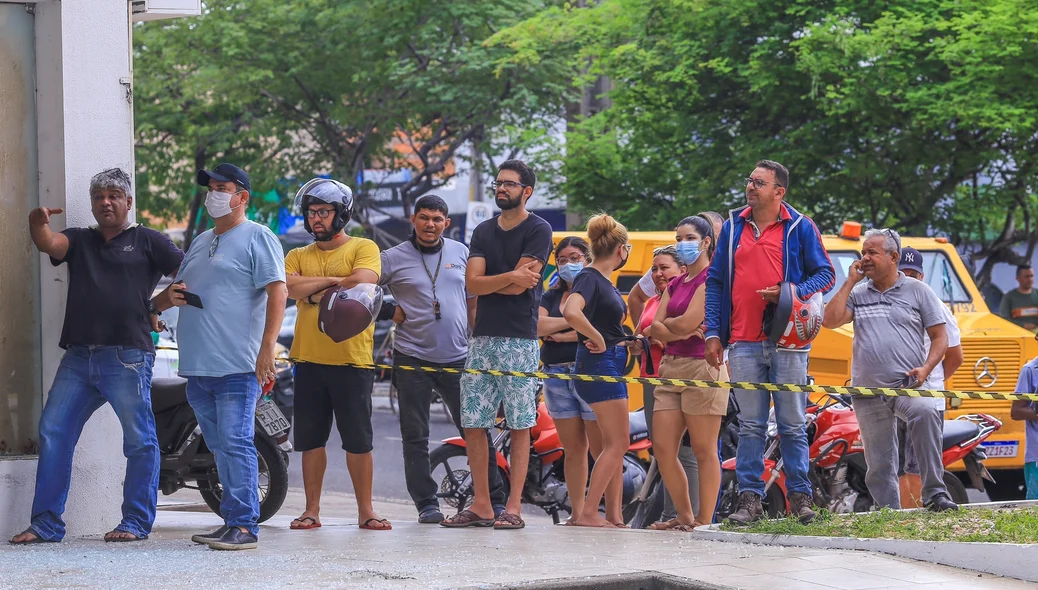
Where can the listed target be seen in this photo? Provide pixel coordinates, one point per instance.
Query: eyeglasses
(758, 182)
(214, 246)
(575, 259)
(321, 213)
(507, 184)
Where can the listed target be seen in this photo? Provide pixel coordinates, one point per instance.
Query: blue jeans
(759, 362)
(610, 363)
(226, 412)
(561, 396)
(87, 377)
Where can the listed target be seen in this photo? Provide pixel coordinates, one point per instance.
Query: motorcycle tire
(639, 515)
(448, 494)
(774, 501)
(956, 489)
(274, 462)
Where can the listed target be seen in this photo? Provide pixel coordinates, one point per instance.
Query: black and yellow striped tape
(863, 391)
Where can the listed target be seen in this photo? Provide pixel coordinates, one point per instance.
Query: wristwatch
(152, 309)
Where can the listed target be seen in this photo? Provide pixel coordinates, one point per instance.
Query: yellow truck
(994, 349)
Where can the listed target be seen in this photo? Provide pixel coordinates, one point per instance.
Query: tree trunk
(196, 203)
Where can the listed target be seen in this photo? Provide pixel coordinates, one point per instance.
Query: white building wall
(85, 124)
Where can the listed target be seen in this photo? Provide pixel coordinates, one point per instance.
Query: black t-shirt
(604, 307)
(109, 285)
(554, 353)
(509, 316)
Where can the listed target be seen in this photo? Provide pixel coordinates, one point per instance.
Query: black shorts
(324, 391)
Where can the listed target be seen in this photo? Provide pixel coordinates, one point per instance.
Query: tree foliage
(294, 89)
(918, 115)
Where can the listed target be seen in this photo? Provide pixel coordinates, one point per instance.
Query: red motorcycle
(837, 469)
(545, 479)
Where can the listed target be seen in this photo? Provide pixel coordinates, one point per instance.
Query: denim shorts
(610, 363)
(561, 396)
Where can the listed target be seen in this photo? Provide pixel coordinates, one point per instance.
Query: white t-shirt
(647, 285)
(936, 378)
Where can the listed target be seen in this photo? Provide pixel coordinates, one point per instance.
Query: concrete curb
(1002, 559)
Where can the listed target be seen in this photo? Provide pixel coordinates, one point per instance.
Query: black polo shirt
(110, 283)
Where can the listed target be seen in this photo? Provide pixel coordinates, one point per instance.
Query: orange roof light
(851, 230)
(941, 240)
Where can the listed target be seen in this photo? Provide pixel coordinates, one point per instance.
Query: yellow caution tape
(863, 391)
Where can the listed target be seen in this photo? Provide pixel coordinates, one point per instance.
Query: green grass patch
(973, 526)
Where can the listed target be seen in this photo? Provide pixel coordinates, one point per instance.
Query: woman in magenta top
(677, 408)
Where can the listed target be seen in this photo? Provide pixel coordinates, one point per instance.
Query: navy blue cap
(911, 259)
(225, 173)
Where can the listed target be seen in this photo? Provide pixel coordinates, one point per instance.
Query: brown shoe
(749, 510)
(800, 507)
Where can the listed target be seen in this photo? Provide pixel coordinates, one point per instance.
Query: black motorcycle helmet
(327, 191)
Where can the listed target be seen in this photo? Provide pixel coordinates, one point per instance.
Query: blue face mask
(688, 252)
(569, 271)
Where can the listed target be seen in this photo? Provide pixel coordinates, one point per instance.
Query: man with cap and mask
(909, 480)
(113, 268)
(227, 346)
(434, 313)
(324, 388)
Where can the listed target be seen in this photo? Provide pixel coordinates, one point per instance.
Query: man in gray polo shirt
(892, 314)
(426, 275)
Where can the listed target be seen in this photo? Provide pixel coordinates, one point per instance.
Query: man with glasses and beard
(434, 313)
(507, 254)
(324, 388)
(227, 346)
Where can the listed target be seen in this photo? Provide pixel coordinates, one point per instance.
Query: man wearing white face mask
(237, 270)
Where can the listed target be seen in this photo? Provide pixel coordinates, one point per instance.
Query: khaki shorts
(695, 401)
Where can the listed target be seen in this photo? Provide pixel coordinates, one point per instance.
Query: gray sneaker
(749, 510)
(206, 538)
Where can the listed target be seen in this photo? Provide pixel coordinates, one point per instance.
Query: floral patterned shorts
(482, 394)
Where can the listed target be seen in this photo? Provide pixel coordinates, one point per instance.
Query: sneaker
(749, 509)
(430, 515)
(941, 503)
(206, 538)
(234, 540)
(800, 507)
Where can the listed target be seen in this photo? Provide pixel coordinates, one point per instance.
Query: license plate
(1001, 448)
(271, 418)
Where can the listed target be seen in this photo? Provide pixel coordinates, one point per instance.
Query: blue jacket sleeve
(715, 279)
(819, 275)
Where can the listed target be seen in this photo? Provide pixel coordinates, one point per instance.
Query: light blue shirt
(224, 338)
(1028, 383)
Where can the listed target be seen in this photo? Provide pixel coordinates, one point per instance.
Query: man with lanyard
(760, 246)
(227, 346)
(434, 314)
(891, 315)
(113, 270)
(328, 384)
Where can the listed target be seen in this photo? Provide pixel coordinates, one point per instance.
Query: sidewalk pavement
(425, 557)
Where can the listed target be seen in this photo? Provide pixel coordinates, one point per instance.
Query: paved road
(388, 454)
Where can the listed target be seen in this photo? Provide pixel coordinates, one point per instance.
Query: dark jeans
(88, 377)
(415, 394)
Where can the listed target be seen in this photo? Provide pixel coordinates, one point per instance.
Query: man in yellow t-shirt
(324, 387)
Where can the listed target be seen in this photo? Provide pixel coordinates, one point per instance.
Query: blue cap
(225, 173)
(911, 259)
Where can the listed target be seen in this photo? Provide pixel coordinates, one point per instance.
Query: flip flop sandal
(430, 516)
(663, 525)
(508, 521)
(367, 525)
(124, 539)
(467, 518)
(303, 526)
(682, 528)
(36, 538)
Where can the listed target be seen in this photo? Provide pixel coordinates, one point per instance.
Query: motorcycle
(837, 466)
(545, 485)
(186, 461)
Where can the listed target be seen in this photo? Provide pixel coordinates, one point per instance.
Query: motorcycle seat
(168, 393)
(639, 430)
(957, 431)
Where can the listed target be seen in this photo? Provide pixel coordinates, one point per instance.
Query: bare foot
(117, 535)
(307, 520)
(372, 522)
(664, 525)
(26, 536)
(594, 522)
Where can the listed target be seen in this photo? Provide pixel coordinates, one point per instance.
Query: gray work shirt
(406, 274)
(890, 329)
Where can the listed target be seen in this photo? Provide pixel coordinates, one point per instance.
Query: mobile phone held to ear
(190, 298)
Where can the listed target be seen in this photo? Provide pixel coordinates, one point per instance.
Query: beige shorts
(695, 401)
